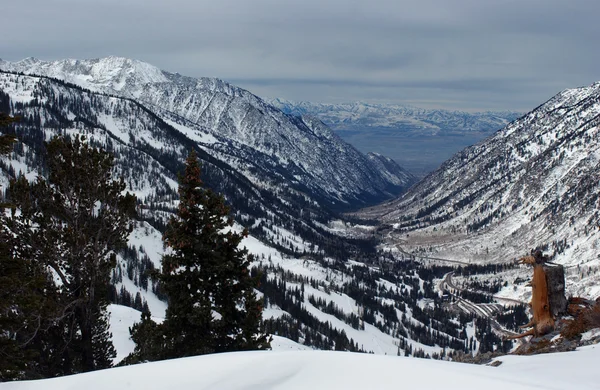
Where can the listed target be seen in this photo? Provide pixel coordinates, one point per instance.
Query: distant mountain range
(418, 139)
(361, 115)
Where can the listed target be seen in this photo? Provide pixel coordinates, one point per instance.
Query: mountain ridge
(238, 121)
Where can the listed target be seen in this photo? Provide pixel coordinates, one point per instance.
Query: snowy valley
(382, 280)
(534, 184)
(322, 286)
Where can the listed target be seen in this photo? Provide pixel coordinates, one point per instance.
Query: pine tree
(26, 289)
(205, 275)
(150, 345)
(81, 219)
(6, 140)
(22, 304)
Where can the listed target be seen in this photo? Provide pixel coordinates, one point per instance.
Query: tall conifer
(6, 140)
(24, 286)
(81, 218)
(212, 303)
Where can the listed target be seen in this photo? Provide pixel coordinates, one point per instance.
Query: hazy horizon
(457, 55)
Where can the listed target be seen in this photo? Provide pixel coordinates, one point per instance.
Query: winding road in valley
(427, 258)
(483, 310)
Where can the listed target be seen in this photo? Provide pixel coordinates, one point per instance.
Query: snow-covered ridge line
(261, 137)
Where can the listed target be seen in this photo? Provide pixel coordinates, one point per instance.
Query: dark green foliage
(150, 345)
(81, 219)
(205, 276)
(26, 303)
(22, 306)
(6, 140)
(513, 317)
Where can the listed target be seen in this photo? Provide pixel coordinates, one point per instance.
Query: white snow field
(337, 370)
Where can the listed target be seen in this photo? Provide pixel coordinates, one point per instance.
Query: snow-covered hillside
(322, 288)
(533, 184)
(268, 147)
(349, 305)
(337, 370)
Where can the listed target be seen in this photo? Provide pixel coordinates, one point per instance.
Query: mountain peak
(29, 61)
(106, 74)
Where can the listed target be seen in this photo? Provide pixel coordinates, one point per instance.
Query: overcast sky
(454, 54)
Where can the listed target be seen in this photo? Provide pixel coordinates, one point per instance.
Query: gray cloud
(457, 54)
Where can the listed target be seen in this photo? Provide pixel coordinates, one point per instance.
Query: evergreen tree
(22, 305)
(26, 304)
(6, 140)
(150, 345)
(205, 275)
(81, 218)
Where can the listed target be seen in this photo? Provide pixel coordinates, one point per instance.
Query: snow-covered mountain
(268, 147)
(321, 288)
(533, 184)
(363, 115)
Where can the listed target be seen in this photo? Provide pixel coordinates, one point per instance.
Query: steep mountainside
(533, 184)
(270, 148)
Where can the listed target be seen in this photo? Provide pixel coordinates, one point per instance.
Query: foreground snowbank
(337, 370)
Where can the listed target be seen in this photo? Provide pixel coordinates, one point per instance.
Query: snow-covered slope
(321, 288)
(237, 127)
(533, 184)
(337, 370)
